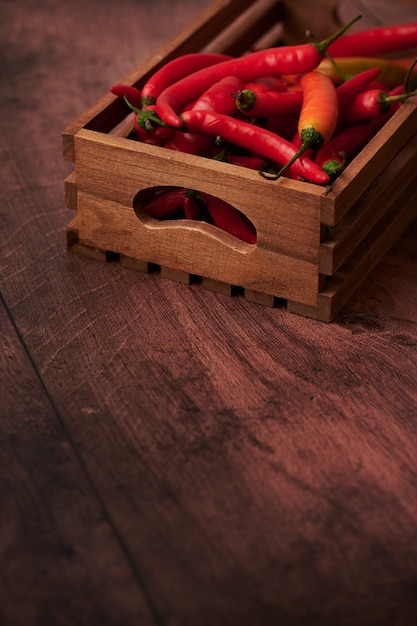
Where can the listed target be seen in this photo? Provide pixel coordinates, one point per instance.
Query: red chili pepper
(280, 60)
(371, 103)
(253, 138)
(166, 204)
(229, 219)
(217, 98)
(352, 87)
(265, 103)
(376, 41)
(192, 208)
(319, 114)
(252, 162)
(337, 153)
(129, 93)
(174, 70)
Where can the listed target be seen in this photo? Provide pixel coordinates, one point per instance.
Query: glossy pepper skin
(280, 60)
(217, 98)
(174, 70)
(352, 87)
(229, 219)
(254, 138)
(320, 109)
(334, 156)
(266, 103)
(129, 93)
(370, 104)
(318, 117)
(376, 41)
(166, 203)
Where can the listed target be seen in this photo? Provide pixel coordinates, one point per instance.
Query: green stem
(310, 139)
(408, 75)
(147, 118)
(323, 45)
(337, 68)
(245, 99)
(385, 100)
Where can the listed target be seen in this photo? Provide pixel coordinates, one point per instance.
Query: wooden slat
(134, 264)
(218, 286)
(178, 275)
(110, 173)
(249, 26)
(369, 164)
(74, 244)
(70, 192)
(345, 282)
(369, 209)
(259, 298)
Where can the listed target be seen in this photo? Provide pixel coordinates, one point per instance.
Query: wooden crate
(315, 245)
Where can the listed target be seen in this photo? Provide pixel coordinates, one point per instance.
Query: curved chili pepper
(217, 98)
(280, 60)
(265, 103)
(253, 138)
(336, 154)
(166, 204)
(353, 86)
(229, 219)
(131, 94)
(376, 41)
(371, 103)
(319, 114)
(175, 69)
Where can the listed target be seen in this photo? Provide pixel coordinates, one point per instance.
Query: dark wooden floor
(170, 456)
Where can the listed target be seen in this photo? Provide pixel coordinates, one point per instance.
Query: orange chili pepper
(319, 113)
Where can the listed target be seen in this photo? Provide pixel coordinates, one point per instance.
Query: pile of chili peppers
(301, 111)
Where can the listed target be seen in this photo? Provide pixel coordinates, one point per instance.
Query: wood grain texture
(52, 564)
(170, 455)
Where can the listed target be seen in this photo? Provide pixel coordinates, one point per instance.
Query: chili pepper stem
(337, 67)
(310, 139)
(148, 117)
(323, 45)
(384, 100)
(408, 75)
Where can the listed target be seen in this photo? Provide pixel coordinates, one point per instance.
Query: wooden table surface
(171, 456)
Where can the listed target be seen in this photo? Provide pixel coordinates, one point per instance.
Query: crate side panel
(364, 259)
(194, 247)
(369, 163)
(353, 228)
(70, 192)
(286, 215)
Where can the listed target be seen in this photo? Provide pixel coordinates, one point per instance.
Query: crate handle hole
(165, 204)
